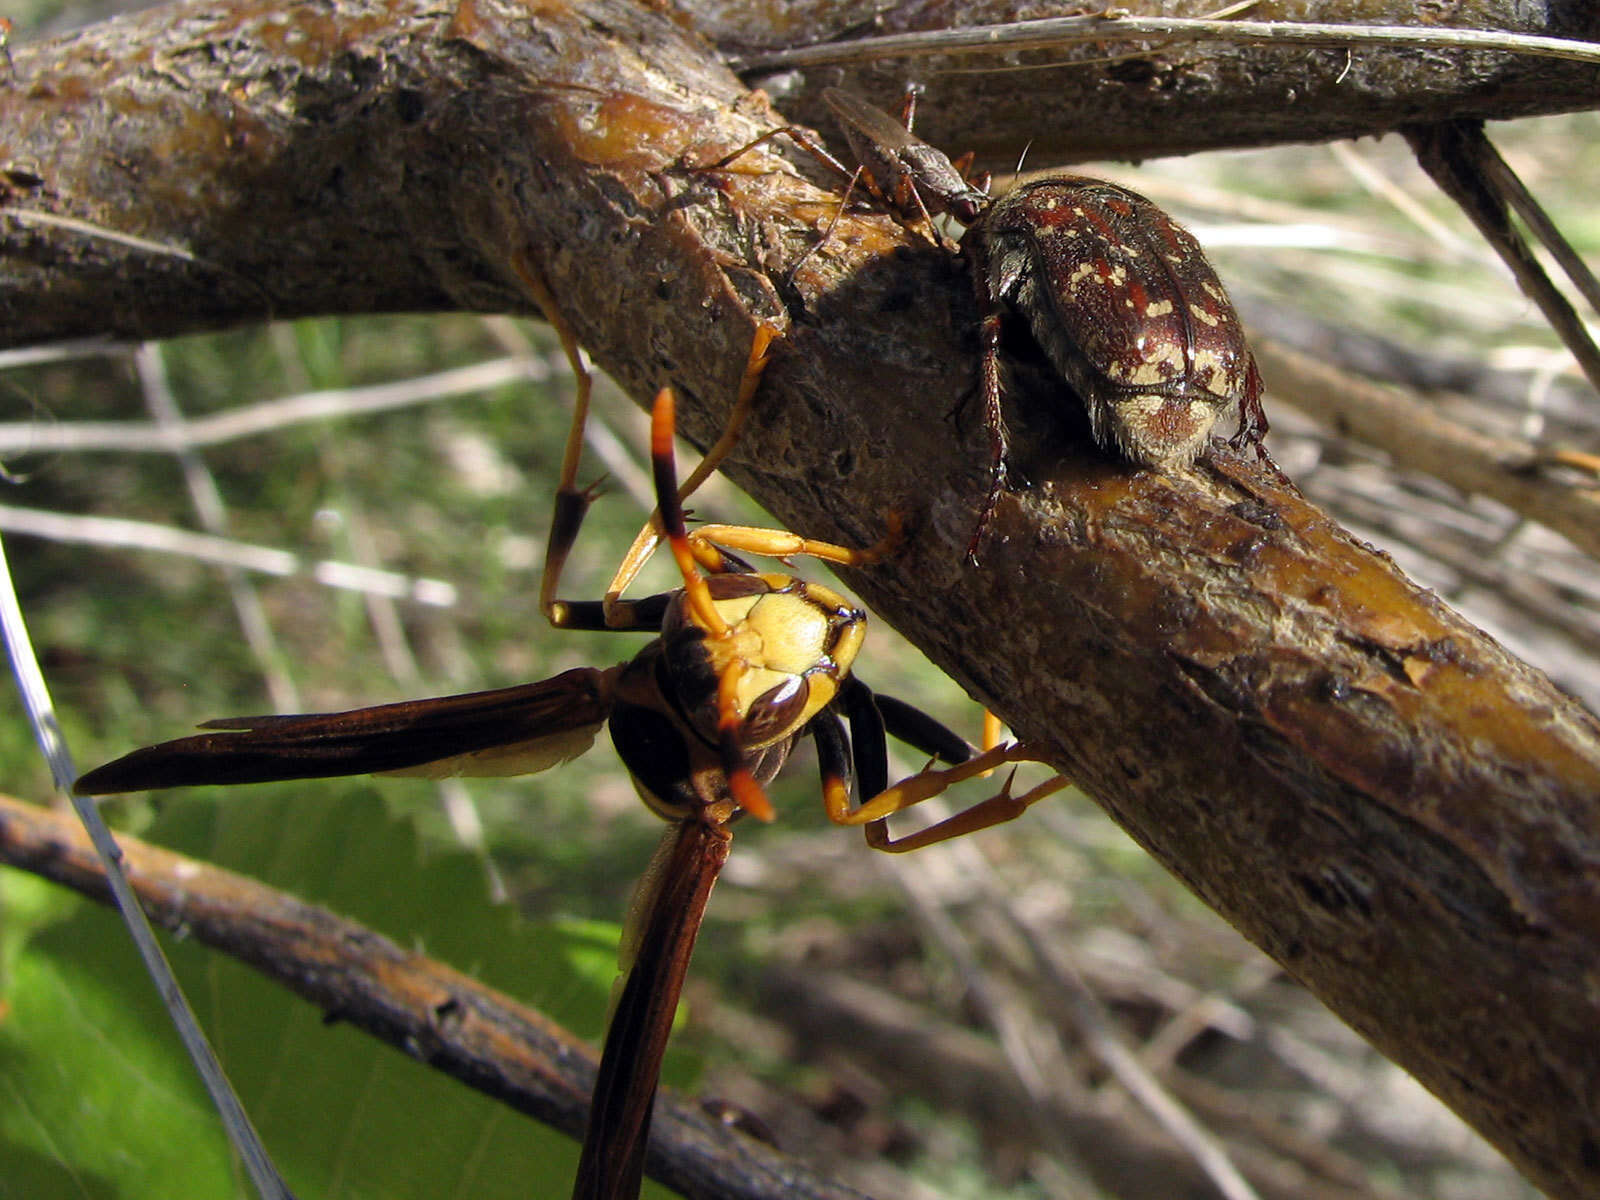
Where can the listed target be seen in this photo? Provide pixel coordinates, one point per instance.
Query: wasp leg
(993, 727)
(644, 545)
(996, 810)
(780, 543)
(928, 783)
(916, 728)
(572, 502)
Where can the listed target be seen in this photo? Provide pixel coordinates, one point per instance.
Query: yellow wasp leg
(999, 808)
(780, 543)
(572, 502)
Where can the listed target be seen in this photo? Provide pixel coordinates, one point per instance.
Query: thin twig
(1461, 160)
(1418, 435)
(271, 416)
(141, 535)
(1065, 31)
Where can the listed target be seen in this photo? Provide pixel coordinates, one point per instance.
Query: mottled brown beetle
(1123, 302)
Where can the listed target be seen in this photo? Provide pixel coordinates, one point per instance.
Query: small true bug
(1125, 305)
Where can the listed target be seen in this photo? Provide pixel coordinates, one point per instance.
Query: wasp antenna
(663, 420)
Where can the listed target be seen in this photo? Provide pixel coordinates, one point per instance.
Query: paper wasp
(743, 666)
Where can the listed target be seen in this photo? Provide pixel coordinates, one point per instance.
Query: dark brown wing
(507, 731)
(662, 928)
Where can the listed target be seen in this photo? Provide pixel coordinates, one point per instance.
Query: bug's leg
(1253, 423)
(908, 106)
(827, 231)
(907, 198)
(644, 545)
(797, 134)
(930, 782)
(572, 502)
(811, 146)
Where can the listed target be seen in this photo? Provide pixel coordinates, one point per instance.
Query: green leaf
(97, 1099)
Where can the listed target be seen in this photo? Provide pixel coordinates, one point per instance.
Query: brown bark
(453, 1023)
(1373, 791)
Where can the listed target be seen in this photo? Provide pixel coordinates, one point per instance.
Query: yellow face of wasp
(793, 642)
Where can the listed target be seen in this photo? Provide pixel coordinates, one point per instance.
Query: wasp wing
(507, 731)
(659, 939)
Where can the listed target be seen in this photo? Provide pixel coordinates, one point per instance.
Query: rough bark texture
(1373, 791)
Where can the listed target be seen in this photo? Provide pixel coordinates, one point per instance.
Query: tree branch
(1372, 790)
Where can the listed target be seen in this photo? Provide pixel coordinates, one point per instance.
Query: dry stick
(270, 416)
(1064, 31)
(1458, 157)
(439, 1016)
(912, 1051)
(1419, 436)
(122, 534)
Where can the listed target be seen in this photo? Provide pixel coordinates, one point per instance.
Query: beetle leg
(1253, 423)
(993, 417)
